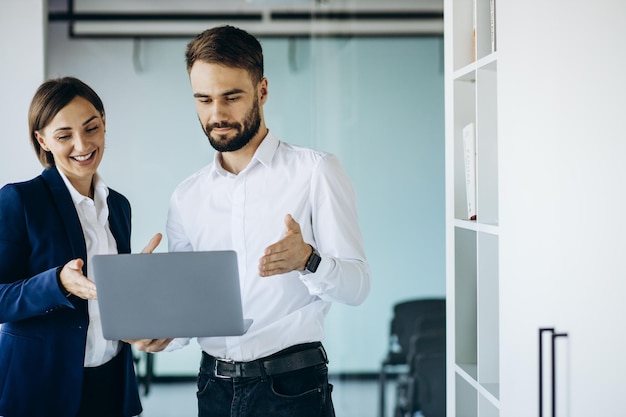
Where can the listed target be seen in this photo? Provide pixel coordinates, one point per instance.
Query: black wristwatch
(313, 262)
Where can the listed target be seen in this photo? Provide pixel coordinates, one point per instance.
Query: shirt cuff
(325, 266)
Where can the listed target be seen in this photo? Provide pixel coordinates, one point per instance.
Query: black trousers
(103, 390)
(302, 393)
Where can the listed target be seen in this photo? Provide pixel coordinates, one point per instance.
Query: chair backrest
(433, 341)
(413, 316)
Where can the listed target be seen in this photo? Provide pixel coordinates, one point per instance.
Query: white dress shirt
(217, 210)
(94, 219)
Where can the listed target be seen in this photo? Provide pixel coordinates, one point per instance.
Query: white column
(23, 27)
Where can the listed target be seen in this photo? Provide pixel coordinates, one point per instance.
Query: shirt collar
(264, 154)
(101, 191)
(267, 149)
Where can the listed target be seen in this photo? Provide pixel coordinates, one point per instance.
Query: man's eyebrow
(233, 91)
(224, 94)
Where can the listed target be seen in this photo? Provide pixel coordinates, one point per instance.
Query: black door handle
(553, 368)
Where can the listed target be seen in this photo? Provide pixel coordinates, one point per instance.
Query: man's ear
(263, 90)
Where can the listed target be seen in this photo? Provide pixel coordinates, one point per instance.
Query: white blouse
(94, 219)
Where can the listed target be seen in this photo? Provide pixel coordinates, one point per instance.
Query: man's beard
(250, 128)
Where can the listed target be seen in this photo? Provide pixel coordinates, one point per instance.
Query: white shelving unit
(547, 247)
(472, 245)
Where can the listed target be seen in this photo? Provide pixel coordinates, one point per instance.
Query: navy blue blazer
(43, 335)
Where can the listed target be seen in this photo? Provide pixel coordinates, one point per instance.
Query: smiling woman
(50, 227)
(75, 140)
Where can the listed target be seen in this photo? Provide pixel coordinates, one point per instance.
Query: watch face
(313, 262)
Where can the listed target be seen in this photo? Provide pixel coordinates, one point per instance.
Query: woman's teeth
(83, 157)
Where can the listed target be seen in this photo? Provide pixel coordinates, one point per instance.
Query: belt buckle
(236, 369)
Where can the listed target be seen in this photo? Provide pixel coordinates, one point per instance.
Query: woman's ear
(41, 141)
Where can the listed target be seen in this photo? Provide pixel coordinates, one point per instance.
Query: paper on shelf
(469, 156)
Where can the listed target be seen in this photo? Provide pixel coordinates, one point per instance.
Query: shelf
(473, 260)
(467, 384)
(490, 62)
(469, 372)
(491, 229)
(468, 72)
(488, 309)
(467, 398)
(487, 145)
(486, 408)
(471, 30)
(491, 392)
(465, 306)
(475, 107)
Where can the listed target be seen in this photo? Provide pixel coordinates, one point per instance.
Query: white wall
(376, 103)
(22, 46)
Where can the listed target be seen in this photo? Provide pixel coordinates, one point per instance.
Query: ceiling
(183, 18)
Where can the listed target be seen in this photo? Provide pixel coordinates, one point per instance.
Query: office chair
(429, 376)
(426, 379)
(409, 317)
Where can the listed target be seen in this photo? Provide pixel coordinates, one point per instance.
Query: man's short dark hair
(228, 46)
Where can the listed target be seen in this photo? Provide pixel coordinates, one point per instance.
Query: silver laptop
(167, 295)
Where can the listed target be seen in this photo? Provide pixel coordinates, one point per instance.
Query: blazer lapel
(67, 212)
(119, 223)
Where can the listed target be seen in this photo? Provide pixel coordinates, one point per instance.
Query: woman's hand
(74, 282)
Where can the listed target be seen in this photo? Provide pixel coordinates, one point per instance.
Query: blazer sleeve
(23, 294)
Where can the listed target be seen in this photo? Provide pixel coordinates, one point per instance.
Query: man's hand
(150, 345)
(74, 282)
(288, 254)
(153, 243)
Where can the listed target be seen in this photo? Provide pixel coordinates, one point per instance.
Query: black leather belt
(272, 365)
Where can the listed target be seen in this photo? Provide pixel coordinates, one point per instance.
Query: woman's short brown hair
(228, 46)
(52, 96)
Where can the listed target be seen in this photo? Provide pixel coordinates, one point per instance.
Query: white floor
(351, 399)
